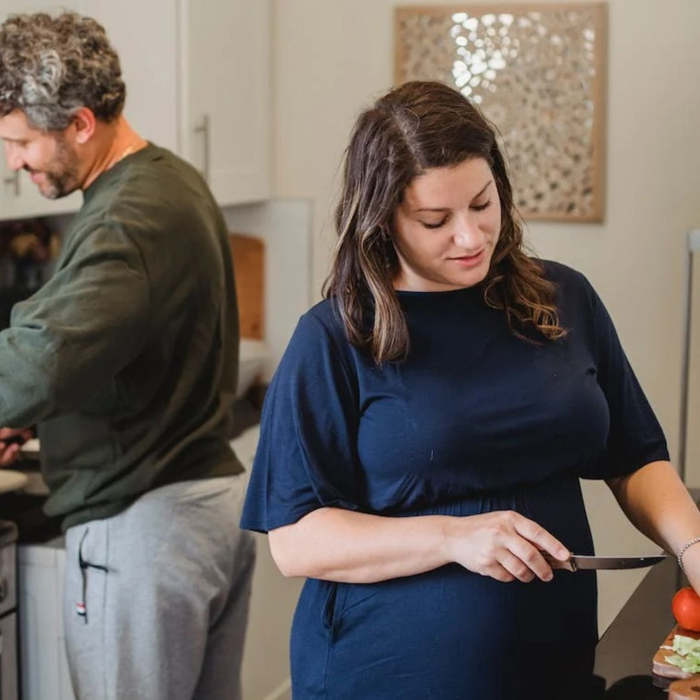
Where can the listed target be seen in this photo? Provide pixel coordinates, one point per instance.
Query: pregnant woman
(424, 435)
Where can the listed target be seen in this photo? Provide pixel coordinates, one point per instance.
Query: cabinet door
(145, 35)
(226, 100)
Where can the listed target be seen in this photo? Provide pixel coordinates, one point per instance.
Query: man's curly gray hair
(50, 67)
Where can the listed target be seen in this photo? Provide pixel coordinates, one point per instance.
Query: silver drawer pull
(13, 180)
(204, 129)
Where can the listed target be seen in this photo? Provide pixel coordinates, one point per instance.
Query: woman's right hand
(504, 545)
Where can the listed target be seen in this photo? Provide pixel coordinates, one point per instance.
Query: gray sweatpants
(156, 598)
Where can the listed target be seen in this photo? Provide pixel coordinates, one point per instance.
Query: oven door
(8, 657)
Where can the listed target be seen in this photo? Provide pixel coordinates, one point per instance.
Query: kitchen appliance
(8, 611)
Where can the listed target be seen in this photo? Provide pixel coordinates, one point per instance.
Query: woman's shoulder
(318, 341)
(567, 279)
(562, 274)
(321, 324)
(576, 297)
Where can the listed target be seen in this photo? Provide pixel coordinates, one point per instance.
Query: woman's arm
(342, 545)
(659, 505)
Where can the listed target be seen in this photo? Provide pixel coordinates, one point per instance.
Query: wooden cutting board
(688, 688)
(684, 690)
(248, 255)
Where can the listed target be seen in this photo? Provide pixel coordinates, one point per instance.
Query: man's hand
(11, 439)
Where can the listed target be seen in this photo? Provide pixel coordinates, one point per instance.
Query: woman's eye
(436, 225)
(480, 207)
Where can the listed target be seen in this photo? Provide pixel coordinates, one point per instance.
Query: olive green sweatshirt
(127, 357)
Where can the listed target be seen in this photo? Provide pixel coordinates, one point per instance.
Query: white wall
(331, 59)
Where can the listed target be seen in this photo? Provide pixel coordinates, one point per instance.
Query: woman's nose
(467, 234)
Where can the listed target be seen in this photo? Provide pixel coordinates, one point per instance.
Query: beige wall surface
(332, 58)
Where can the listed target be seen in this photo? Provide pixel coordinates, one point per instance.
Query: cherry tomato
(686, 609)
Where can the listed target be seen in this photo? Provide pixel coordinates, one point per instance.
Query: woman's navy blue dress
(475, 420)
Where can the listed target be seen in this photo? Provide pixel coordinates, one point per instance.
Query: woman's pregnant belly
(451, 633)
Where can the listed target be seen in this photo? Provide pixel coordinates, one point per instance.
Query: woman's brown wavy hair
(414, 127)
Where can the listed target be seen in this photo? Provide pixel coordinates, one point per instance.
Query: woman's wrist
(449, 536)
(684, 548)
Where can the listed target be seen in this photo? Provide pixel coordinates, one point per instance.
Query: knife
(579, 562)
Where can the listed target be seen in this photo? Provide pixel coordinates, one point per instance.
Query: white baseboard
(281, 692)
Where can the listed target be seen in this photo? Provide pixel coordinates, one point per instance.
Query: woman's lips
(469, 260)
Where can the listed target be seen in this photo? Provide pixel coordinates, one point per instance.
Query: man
(127, 361)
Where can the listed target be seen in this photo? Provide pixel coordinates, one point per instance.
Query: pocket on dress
(359, 593)
(346, 604)
(328, 612)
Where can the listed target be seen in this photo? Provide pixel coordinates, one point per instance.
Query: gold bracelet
(690, 543)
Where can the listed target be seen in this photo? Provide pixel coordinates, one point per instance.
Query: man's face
(48, 157)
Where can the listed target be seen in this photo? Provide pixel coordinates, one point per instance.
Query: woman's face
(446, 228)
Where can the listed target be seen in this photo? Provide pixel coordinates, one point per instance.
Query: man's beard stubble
(61, 177)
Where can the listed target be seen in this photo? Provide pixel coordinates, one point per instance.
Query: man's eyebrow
(476, 196)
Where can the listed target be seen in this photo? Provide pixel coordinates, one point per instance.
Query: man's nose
(13, 157)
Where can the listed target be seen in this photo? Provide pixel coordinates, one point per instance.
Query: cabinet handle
(13, 180)
(4, 589)
(204, 129)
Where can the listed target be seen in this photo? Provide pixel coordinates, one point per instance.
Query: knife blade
(581, 562)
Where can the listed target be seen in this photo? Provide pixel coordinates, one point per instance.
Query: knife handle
(566, 565)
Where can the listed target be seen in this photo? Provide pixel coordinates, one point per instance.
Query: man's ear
(84, 122)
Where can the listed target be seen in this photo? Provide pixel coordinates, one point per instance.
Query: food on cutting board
(685, 648)
(687, 653)
(686, 609)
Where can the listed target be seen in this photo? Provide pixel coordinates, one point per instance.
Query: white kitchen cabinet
(198, 83)
(43, 664)
(226, 96)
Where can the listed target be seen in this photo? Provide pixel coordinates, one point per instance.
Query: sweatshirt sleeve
(84, 325)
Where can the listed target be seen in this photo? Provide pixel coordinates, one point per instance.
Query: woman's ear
(84, 122)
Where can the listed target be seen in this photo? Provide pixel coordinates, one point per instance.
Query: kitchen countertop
(625, 652)
(11, 480)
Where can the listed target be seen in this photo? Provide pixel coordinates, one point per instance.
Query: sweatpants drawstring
(80, 606)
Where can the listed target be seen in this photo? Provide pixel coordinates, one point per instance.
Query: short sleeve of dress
(306, 454)
(635, 437)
